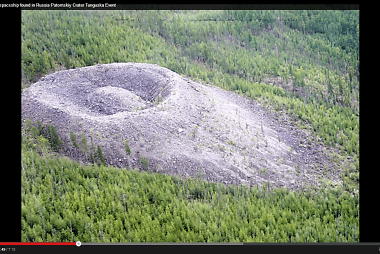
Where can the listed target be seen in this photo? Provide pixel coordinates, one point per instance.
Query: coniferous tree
(54, 139)
(100, 156)
(127, 150)
(83, 141)
(73, 139)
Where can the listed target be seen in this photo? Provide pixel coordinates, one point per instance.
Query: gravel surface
(181, 126)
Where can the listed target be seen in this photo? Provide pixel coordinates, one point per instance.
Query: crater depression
(182, 127)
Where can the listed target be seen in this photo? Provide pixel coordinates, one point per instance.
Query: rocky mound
(181, 127)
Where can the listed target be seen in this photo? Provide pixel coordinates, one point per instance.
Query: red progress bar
(37, 243)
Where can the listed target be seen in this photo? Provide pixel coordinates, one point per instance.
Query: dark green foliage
(127, 149)
(28, 124)
(340, 27)
(54, 139)
(42, 135)
(34, 132)
(91, 158)
(196, 193)
(152, 199)
(73, 139)
(92, 142)
(83, 141)
(40, 127)
(100, 157)
(144, 162)
(97, 157)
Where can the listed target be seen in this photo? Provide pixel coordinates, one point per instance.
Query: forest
(63, 200)
(301, 63)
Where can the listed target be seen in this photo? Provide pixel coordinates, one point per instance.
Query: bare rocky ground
(181, 126)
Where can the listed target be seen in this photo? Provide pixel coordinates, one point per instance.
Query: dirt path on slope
(181, 126)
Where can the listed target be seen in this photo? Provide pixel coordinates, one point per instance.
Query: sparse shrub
(144, 162)
(84, 143)
(40, 127)
(126, 146)
(100, 156)
(91, 158)
(34, 132)
(195, 130)
(28, 124)
(73, 139)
